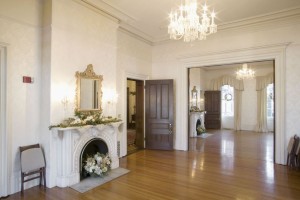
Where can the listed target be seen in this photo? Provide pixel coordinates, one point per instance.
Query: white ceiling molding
(103, 12)
(128, 24)
(274, 16)
(110, 10)
(137, 33)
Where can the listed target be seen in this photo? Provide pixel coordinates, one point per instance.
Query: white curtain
(238, 86)
(262, 83)
(237, 109)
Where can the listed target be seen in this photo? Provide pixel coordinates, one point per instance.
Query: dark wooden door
(213, 109)
(159, 114)
(139, 118)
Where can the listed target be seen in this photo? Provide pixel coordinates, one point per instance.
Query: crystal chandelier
(186, 23)
(245, 73)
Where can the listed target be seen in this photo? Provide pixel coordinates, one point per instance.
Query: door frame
(123, 140)
(274, 52)
(3, 130)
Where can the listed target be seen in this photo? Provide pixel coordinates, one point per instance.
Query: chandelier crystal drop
(187, 24)
(245, 73)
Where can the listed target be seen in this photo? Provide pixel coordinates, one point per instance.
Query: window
(270, 101)
(227, 93)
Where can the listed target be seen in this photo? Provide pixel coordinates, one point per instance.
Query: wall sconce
(65, 102)
(194, 94)
(109, 97)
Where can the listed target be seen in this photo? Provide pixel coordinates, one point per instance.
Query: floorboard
(226, 165)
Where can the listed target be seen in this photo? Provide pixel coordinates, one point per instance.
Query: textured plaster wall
(292, 90)
(20, 32)
(80, 37)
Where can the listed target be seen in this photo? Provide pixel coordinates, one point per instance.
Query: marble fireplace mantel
(66, 144)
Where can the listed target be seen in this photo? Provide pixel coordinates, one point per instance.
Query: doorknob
(170, 129)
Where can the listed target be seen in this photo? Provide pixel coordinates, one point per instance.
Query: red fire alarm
(27, 79)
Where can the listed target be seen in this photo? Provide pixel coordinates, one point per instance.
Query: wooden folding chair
(32, 162)
(292, 151)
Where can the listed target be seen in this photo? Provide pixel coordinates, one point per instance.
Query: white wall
(78, 36)
(20, 32)
(292, 90)
(167, 56)
(134, 58)
(50, 40)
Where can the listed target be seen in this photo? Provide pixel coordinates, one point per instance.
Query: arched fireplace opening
(90, 149)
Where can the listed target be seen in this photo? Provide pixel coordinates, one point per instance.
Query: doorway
(135, 115)
(222, 78)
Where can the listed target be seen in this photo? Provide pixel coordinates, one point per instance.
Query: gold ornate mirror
(88, 90)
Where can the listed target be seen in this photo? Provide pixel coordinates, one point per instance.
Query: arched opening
(90, 149)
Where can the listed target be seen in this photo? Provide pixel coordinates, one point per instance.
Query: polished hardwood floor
(226, 165)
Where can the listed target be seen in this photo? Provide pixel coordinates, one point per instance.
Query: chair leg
(22, 182)
(44, 173)
(41, 176)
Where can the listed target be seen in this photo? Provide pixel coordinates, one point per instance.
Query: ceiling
(149, 18)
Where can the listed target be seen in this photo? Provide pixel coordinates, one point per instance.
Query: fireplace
(196, 119)
(90, 149)
(67, 146)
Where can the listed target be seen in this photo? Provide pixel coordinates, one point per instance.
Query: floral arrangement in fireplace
(98, 165)
(85, 118)
(200, 129)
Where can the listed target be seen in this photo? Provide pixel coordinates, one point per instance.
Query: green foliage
(85, 118)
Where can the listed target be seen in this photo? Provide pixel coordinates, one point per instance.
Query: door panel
(139, 114)
(159, 114)
(213, 109)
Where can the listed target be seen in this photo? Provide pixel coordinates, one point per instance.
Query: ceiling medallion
(187, 24)
(245, 73)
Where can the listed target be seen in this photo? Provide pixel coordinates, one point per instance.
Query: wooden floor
(226, 165)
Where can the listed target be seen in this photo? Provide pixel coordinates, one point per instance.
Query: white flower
(76, 121)
(97, 164)
(104, 169)
(99, 159)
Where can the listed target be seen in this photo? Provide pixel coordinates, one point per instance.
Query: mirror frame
(88, 74)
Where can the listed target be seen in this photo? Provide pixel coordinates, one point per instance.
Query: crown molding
(127, 23)
(269, 17)
(88, 4)
(18, 21)
(125, 28)
(135, 35)
(124, 21)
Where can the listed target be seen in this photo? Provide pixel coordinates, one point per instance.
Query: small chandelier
(186, 23)
(245, 73)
